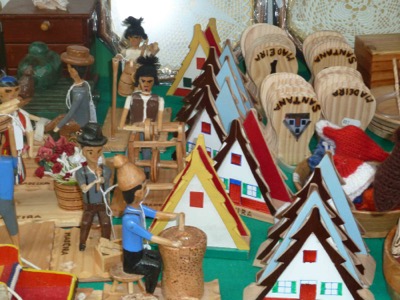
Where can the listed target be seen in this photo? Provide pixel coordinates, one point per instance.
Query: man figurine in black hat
(93, 178)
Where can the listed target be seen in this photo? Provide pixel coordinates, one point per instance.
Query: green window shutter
(245, 188)
(293, 289)
(258, 193)
(275, 287)
(226, 182)
(323, 288)
(340, 289)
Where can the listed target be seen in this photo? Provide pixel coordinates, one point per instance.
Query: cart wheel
(155, 159)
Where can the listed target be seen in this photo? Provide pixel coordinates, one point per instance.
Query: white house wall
(192, 71)
(206, 218)
(211, 140)
(323, 270)
(241, 173)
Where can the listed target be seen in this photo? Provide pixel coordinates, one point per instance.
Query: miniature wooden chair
(118, 275)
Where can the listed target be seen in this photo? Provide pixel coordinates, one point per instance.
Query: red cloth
(354, 142)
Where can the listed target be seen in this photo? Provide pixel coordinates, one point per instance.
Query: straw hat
(128, 174)
(77, 55)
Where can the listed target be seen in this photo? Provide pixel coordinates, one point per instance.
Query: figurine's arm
(166, 242)
(78, 98)
(161, 215)
(28, 131)
(125, 112)
(86, 187)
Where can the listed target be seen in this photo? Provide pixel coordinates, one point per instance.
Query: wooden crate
(374, 54)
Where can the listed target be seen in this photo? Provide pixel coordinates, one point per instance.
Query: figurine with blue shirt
(138, 258)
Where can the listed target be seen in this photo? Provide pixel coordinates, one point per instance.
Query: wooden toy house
(314, 244)
(192, 64)
(200, 194)
(207, 122)
(238, 168)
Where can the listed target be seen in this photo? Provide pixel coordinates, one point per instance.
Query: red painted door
(235, 191)
(308, 291)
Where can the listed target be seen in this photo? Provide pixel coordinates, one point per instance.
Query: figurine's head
(9, 88)
(131, 179)
(135, 32)
(92, 141)
(146, 75)
(77, 58)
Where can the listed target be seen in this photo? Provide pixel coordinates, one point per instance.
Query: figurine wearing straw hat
(137, 258)
(93, 179)
(79, 101)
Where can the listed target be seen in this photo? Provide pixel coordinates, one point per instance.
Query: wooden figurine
(79, 100)
(8, 165)
(21, 120)
(137, 257)
(93, 179)
(201, 195)
(138, 46)
(143, 104)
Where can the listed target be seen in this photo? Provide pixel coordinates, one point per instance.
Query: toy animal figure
(94, 179)
(137, 258)
(138, 46)
(51, 4)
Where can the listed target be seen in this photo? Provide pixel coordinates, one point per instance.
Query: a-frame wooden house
(206, 121)
(255, 132)
(239, 169)
(201, 195)
(192, 65)
(314, 244)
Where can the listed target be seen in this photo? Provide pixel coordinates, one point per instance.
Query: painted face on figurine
(135, 41)
(92, 154)
(146, 83)
(8, 93)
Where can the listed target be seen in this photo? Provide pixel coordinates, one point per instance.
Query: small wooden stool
(118, 275)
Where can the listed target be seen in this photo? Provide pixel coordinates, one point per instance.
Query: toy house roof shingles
(187, 111)
(278, 189)
(237, 135)
(206, 107)
(212, 36)
(223, 225)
